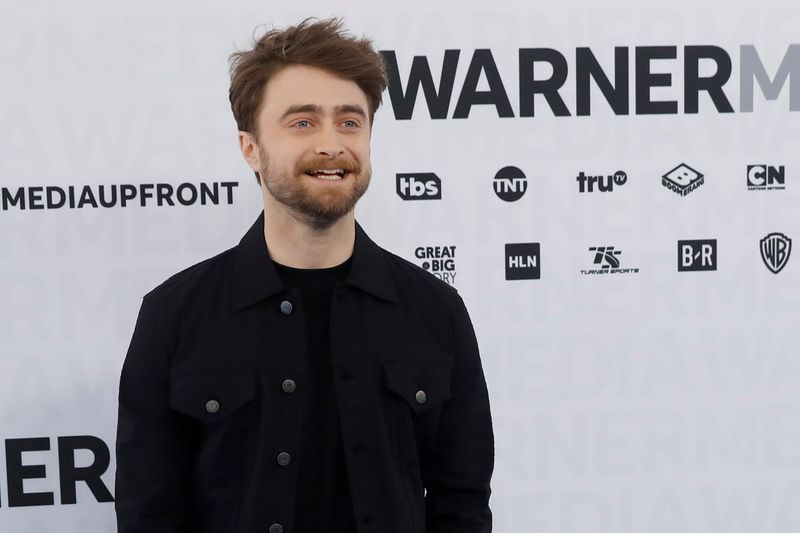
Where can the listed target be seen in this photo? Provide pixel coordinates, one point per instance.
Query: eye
(350, 123)
(302, 124)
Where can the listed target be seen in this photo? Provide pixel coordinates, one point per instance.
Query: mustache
(347, 165)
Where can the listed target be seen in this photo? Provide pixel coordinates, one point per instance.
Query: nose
(328, 144)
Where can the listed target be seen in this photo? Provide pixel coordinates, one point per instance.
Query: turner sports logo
(607, 259)
(95, 196)
(20, 468)
(545, 71)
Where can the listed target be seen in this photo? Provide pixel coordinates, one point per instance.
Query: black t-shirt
(323, 501)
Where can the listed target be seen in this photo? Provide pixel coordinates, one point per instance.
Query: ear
(249, 148)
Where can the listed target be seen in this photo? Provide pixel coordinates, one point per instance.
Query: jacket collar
(255, 278)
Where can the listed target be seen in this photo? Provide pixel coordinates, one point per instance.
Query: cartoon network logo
(545, 72)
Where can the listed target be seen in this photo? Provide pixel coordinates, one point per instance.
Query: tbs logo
(765, 177)
(697, 255)
(604, 183)
(420, 186)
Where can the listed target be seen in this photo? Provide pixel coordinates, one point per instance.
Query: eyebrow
(317, 110)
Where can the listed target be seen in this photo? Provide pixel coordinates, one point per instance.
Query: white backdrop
(658, 401)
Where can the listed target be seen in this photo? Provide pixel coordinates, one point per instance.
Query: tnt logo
(682, 179)
(421, 186)
(510, 184)
(522, 261)
(604, 183)
(765, 177)
(439, 261)
(697, 255)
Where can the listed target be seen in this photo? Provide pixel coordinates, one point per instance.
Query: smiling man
(305, 380)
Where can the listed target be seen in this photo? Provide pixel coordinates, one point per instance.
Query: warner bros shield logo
(775, 250)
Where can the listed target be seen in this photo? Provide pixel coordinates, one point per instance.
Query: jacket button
(421, 396)
(212, 406)
(288, 385)
(284, 458)
(276, 528)
(286, 307)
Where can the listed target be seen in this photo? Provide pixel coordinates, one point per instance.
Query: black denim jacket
(207, 400)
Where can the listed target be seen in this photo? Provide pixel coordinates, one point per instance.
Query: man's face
(313, 143)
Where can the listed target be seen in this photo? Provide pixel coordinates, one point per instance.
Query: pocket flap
(212, 397)
(422, 385)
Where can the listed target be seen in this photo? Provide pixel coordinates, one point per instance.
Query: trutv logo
(21, 465)
(545, 71)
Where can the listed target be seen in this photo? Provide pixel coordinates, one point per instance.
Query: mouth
(328, 174)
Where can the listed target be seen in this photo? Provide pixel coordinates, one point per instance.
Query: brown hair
(323, 44)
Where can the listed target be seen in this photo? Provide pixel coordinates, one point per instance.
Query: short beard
(319, 212)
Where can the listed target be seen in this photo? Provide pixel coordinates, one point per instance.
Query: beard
(320, 206)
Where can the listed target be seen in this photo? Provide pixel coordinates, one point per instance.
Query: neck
(297, 243)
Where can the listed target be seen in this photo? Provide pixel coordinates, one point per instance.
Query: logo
(604, 183)
(420, 186)
(439, 261)
(775, 250)
(765, 177)
(117, 195)
(607, 258)
(682, 179)
(522, 261)
(697, 255)
(510, 184)
(486, 85)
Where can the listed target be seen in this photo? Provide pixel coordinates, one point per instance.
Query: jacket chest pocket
(422, 386)
(216, 400)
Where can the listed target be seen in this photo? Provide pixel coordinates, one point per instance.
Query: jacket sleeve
(152, 478)
(457, 498)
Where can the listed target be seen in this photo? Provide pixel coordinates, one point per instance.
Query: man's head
(304, 99)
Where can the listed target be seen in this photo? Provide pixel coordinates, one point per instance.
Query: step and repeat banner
(613, 188)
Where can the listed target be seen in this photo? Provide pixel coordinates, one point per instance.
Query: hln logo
(420, 186)
(765, 177)
(510, 184)
(697, 255)
(522, 261)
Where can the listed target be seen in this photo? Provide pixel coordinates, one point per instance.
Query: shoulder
(419, 287)
(193, 281)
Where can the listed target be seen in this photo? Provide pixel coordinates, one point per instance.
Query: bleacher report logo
(523, 261)
(606, 261)
(775, 250)
(510, 184)
(697, 255)
(765, 177)
(604, 183)
(439, 261)
(419, 186)
(682, 179)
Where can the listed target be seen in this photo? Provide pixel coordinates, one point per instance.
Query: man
(305, 380)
